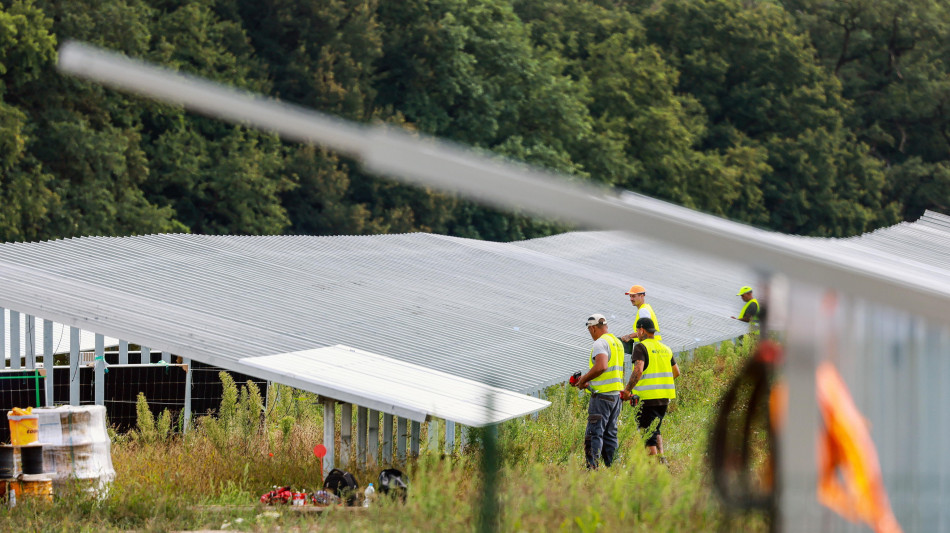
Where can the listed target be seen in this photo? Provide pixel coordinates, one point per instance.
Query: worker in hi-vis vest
(750, 311)
(604, 378)
(654, 369)
(638, 296)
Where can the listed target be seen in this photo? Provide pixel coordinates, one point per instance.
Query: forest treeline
(815, 117)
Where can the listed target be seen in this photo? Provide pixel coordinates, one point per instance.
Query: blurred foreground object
(743, 444)
(845, 448)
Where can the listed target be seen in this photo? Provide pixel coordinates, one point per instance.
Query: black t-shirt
(640, 353)
(752, 311)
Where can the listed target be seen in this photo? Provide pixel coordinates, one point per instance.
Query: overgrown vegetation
(233, 458)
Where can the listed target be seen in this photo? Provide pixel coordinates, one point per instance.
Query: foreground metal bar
(445, 166)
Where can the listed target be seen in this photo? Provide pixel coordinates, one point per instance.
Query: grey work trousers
(600, 439)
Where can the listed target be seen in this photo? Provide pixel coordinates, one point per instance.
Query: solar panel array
(508, 314)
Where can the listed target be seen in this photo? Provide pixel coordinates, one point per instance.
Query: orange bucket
(24, 429)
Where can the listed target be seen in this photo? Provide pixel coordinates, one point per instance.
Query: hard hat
(637, 289)
(744, 290)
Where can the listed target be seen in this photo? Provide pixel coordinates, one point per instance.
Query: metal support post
(432, 443)
(30, 342)
(361, 436)
(73, 366)
(449, 437)
(186, 420)
(401, 438)
(414, 439)
(329, 433)
(100, 369)
(14, 339)
(372, 437)
(346, 433)
(48, 362)
(387, 438)
(3, 337)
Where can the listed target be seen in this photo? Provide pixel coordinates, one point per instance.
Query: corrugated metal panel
(509, 314)
(397, 387)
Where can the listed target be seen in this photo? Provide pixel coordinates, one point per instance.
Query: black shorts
(649, 413)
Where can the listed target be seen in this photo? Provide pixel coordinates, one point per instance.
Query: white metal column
(401, 438)
(74, 366)
(48, 361)
(387, 438)
(372, 438)
(414, 439)
(361, 436)
(30, 338)
(186, 417)
(346, 433)
(14, 339)
(329, 433)
(100, 370)
(449, 437)
(3, 337)
(432, 443)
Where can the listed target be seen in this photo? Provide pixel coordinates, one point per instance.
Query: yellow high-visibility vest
(611, 379)
(755, 319)
(657, 379)
(656, 324)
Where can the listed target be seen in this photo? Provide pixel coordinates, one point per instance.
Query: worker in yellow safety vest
(638, 296)
(651, 382)
(750, 311)
(604, 379)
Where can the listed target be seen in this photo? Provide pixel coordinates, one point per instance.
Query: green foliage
(148, 430)
(804, 116)
(542, 485)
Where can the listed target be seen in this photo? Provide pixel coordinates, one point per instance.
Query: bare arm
(600, 364)
(634, 376)
(676, 371)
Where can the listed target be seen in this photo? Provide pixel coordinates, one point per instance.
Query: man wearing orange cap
(638, 296)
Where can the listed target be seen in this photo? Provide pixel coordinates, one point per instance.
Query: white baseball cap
(596, 319)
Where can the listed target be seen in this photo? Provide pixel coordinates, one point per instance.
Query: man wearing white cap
(605, 381)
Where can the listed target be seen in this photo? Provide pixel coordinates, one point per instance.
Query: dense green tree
(757, 77)
(26, 196)
(219, 178)
(891, 60)
(634, 100)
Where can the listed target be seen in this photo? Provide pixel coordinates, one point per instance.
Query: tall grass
(242, 452)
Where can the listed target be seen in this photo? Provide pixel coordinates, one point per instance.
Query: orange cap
(636, 289)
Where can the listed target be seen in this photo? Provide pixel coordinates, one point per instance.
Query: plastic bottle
(368, 495)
